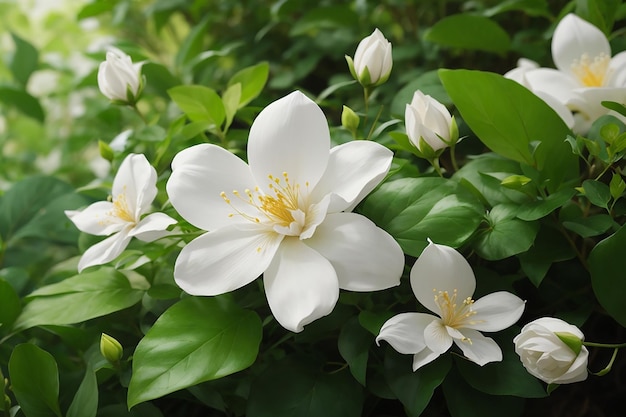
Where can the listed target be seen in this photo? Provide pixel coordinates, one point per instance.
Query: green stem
(605, 345)
(136, 109)
(435, 163)
(607, 368)
(369, 135)
(455, 166)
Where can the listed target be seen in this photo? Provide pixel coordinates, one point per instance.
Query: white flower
(546, 356)
(443, 282)
(429, 121)
(134, 188)
(118, 78)
(372, 60)
(284, 215)
(585, 75)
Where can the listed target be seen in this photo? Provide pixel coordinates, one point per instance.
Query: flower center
(121, 210)
(453, 314)
(592, 73)
(281, 208)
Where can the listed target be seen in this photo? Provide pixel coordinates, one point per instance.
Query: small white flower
(284, 215)
(372, 60)
(134, 188)
(429, 121)
(546, 356)
(118, 78)
(443, 282)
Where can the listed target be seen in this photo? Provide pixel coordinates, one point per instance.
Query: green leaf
(529, 7)
(618, 107)
(10, 306)
(326, 17)
(22, 101)
(505, 236)
(195, 340)
(415, 209)
(231, 99)
(600, 13)
(85, 402)
(597, 192)
(354, 343)
(80, 298)
(95, 9)
(252, 80)
(193, 43)
(200, 104)
(159, 78)
(617, 186)
(589, 226)
(373, 321)
(414, 389)
(541, 207)
(486, 35)
(297, 387)
(24, 60)
(35, 381)
(607, 264)
(509, 119)
(550, 246)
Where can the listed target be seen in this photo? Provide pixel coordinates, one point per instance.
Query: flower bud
(428, 122)
(349, 119)
(119, 79)
(372, 60)
(551, 350)
(110, 348)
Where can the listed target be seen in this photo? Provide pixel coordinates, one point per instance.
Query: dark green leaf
(529, 7)
(85, 402)
(486, 35)
(21, 100)
(600, 13)
(10, 306)
(24, 60)
(159, 78)
(195, 340)
(35, 381)
(550, 246)
(618, 107)
(541, 207)
(193, 43)
(597, 192)
(590, 226)
(354, 343)
(328, 17)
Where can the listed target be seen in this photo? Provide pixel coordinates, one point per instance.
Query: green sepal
(105, 151)
(551, 388)
(515, 182)
(349, 119)
(351, 67)
(571, 340)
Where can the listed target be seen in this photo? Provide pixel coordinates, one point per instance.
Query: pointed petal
(354, 170)
(479, 349)
(496, 311)
(617, 71)
(424, 357)
(436, 337)
(405, 332)
(136, 180)
(573, 37)
(578, 370)
(315, 216)
(104, 251)
(552, 82)
(152, 227)
(96, 219)
(441, 268)
(290, 135)
(300, 285)
(199, 175)
(224, 260)
(365, 257)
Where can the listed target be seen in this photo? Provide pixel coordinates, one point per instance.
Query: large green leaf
(35, 381)
(80, 298)
(21, 100)
(607, 264)
(486, 35)
(85, 402)
(415, 209)
(24, 60)
(297, 387)
(252, 80)
(200, 104)
(195, 340)
(354, 343)
(513, 122)
(10, 305)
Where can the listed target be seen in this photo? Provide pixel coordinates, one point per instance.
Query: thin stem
(455, 166)
(435, 163)
(605, 345)
(369, 135)
(607, 368)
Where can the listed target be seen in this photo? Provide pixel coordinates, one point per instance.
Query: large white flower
(585, 73)
(285, 215)
(443, 282)
(134, 188)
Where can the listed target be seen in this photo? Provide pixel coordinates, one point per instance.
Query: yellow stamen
(592, 73)
(452, 314)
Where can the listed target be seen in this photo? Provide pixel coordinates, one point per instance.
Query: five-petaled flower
(134, 188)
(443, 282)
(284, 215)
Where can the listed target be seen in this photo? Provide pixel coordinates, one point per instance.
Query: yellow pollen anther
(453, 314)
(592, 73)
(121, 209)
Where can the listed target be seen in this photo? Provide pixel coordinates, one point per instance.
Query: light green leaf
(85, 402)
(541, 207)
(252, 80)
(79, 298)
(195, 340)
(35, 381)
(486, 35)
(231, 99)
(200, 104)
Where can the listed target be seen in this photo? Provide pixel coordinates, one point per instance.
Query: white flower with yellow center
(585, 73)
(443, 282)
(134, 188)
(284, 215)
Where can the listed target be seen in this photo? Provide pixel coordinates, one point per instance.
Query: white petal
(354, 170)
(436, 337)
(136, 180)
(365, 257)
(224, 260)
(152, 227)
(441, 268)
(199, 175)
(617, 71)
(97, 219)
(300, 285)
(496, 311)
(424, 357)
(561, 109)
(552, 82)
(316, 214)
(479, 349)
(573, 37)
(578, 370)
(405, 332)
(290, 135)
(105, 250)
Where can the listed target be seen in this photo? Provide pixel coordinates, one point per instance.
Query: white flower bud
(118, 78)
(372, 60)
(428, 119)
(551, 350)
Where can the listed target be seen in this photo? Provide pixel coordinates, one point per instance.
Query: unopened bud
(110, 348)
(349, 119)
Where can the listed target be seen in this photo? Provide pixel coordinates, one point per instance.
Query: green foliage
(453, 31)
